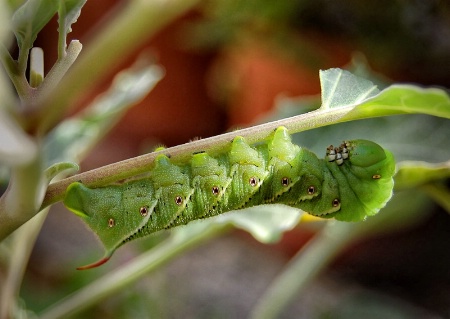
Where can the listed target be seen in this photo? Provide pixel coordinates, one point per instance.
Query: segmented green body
(352, 182)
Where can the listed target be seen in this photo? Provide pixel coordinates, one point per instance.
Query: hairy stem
(55, 75)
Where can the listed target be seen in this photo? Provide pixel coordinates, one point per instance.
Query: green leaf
(266, 222)
(341, 88)
(404, 99)
(412, 174)
(58, 168)
(74, 137)
(440, 193)
(29, 20)
(68, 13)
(347, 97)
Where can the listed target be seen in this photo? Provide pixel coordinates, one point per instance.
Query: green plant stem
(62, 38)
(17, 78)
(303, 268)
(116, 280)
(57, 72)
(22, 244)
(22, 60)
(21, 200)
(132, 24)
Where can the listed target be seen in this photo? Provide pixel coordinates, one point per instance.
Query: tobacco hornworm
(352, 182)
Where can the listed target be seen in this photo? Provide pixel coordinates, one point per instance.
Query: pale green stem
(17, 78)
(61, 45)
(118, 279)
(62, 35)
(22, 199)
(22, 60)
(58, 71)
(22, 244)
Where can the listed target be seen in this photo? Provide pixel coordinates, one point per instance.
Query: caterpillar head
(364, 172)
(104, 211)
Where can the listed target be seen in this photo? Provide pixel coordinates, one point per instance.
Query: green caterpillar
(352, 182)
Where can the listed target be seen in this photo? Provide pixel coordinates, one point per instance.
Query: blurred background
(230, 64)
